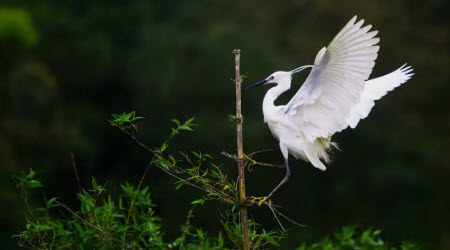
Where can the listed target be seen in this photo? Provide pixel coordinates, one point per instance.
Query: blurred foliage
(67, 65)
(350, 239)
(16, 29)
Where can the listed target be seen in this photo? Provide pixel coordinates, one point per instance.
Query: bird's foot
(260, 200)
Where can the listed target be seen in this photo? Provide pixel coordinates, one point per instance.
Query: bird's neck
(273, 94)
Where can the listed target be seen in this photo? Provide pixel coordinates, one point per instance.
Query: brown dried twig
(250, 162)
(76, 172)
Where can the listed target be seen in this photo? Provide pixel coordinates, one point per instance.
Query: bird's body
(337, 94)
(285, 128)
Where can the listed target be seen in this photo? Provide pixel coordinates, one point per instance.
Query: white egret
(337, 94)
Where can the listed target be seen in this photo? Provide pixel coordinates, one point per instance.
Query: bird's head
(279, 77)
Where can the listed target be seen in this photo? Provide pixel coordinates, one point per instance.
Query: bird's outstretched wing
(322, 106)
(376, 88)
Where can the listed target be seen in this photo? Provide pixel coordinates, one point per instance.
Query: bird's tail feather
(376, 88)
(316, 151)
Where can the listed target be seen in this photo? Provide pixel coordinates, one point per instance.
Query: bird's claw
(260, 200)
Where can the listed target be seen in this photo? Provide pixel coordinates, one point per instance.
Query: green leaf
(196, 154)
(185, 127)
(164, 147)
(208, 156)
(179, 184)
(30, 174)
(177, 242)
(199, 201)
(177, 122)
(49, 203)
(172, 159)
(163, 164)
(137, 118)
(34, 184)
(200, 234)
(271, 240)
(215, 166)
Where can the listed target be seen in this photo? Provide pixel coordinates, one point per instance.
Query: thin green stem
(134, 198)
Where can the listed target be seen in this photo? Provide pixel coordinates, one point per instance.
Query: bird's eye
(271, 78)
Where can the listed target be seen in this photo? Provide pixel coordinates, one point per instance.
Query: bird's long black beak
(256, 84)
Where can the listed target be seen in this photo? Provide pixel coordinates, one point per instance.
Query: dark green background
(66, 65)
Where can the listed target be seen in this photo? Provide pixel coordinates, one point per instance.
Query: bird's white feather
(376, 88)
(324, 103)
(335, 95)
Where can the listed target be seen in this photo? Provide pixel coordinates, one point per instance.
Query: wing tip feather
(407, 70)
(359, 23)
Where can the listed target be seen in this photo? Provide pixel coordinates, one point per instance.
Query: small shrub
(100, 224)
(350, 239)
(128, 221)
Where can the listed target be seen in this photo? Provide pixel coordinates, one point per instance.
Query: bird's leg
(284, 151)
(261, 200)
(288, 174)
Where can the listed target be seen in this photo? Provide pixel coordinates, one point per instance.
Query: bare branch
(240, 149)
(260, 151)
(275, 216)
(251, 162)
(289, 219)
(76, 172)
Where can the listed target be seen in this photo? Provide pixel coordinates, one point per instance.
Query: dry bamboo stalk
(240, 149)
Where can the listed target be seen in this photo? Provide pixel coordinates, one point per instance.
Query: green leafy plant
(128, 221)
(195, 169)
(25, 183)
(100, 222)
(353, 239)
(259, 238)
(126, 121)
